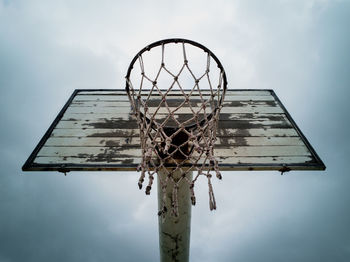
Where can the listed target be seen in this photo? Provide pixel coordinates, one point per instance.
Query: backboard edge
(29, 163)
(300, 133)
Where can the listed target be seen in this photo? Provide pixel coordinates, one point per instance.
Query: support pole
(174, 232)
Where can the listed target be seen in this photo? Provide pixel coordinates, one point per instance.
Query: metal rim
(176, 40)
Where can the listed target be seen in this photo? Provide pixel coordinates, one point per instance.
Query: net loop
(212, 202)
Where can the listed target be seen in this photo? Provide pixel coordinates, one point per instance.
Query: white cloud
(298, 48)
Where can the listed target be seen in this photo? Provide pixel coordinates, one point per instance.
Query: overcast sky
(298, 48)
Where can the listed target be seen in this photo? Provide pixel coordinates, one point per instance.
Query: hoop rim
(176, 40)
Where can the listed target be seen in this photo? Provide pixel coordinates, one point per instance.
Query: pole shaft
(174, 232)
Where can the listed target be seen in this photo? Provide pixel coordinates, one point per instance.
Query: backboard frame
(30, 165)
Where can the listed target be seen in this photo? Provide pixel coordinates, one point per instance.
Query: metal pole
(174, 232)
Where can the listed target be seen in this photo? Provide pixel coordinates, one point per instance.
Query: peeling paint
(250, 123)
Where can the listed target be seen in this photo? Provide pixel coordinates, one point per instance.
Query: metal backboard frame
(96, 130)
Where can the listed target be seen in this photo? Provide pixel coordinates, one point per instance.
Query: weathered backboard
(96, 130)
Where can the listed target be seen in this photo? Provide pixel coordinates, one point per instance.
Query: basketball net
(177, 123)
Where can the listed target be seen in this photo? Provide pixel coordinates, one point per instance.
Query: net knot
(218, 174)
(148, 154)
(167, 144)
(193, 197)
(141, 178)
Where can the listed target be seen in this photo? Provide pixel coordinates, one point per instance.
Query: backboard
(96, 130)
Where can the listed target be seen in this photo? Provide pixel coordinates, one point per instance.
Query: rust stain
(118, 133)
(109, 155)
(176, 250)
(112, 143)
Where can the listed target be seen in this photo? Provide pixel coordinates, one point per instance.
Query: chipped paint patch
(97, 130)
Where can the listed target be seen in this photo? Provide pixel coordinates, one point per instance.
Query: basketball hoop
(176, 90)
(171, 144)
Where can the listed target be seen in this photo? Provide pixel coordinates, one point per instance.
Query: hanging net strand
(177, 120)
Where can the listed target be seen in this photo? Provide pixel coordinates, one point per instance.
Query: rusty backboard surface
(96, 130)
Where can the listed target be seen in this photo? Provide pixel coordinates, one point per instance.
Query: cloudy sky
(298, 48)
